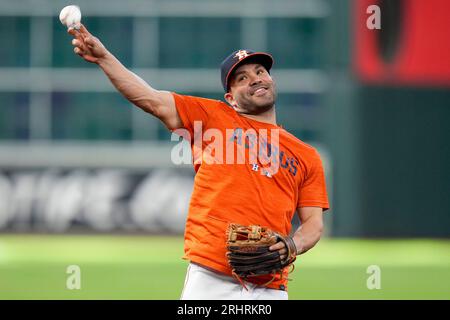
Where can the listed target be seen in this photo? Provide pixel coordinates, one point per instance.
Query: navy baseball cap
(237, 58)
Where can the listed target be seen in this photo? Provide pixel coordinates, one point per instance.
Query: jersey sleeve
(194, 111)
(312, 192)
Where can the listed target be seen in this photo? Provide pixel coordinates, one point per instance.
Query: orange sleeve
(191, 109)
(312, 192)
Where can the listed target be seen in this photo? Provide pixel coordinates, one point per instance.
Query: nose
(255, 80)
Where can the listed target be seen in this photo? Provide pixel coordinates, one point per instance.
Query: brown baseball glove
(248, 251)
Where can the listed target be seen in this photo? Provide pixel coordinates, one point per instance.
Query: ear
(230, 99)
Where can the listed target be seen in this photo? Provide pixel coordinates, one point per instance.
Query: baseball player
(231, 191)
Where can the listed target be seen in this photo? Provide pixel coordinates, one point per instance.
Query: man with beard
(270, 177)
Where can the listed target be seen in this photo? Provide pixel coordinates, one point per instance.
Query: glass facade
(197, 42)
(150, 43)
(14, 115)
(296, 43)
(90, 116)
(15, 35)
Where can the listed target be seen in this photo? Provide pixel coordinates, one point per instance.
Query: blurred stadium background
(86, 179)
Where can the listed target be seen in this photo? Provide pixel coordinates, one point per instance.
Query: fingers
(78, 44)
(281, 249)
(85, 44)
(80, 33)
(78, 51)
(74, 32)
(277, 246)
(84, 31)
(89, 41)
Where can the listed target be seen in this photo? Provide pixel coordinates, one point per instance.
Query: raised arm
(160, 104)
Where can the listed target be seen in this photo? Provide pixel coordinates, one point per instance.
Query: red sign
(412, 47)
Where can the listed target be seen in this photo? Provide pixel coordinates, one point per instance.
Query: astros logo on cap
(241, 54)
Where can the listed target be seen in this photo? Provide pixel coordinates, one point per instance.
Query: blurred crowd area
(374, 102)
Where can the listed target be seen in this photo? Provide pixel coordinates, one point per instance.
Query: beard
(251, 104)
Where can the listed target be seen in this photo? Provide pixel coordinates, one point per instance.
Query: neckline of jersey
(261, 123)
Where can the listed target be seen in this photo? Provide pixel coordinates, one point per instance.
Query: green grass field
(138, 267)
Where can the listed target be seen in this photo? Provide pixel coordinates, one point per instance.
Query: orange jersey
(244, 193)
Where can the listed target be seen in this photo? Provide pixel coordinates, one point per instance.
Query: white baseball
(70, 16)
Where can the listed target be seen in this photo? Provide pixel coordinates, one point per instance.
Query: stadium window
(197, 42)
(15, 35)
(14, 115)
(296, 42)
(90, 116)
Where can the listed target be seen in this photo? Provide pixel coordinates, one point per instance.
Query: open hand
(86, 45)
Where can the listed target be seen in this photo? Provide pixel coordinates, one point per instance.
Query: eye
(260, 71)
(240, 78)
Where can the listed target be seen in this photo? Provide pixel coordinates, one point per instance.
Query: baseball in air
(70, 16)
